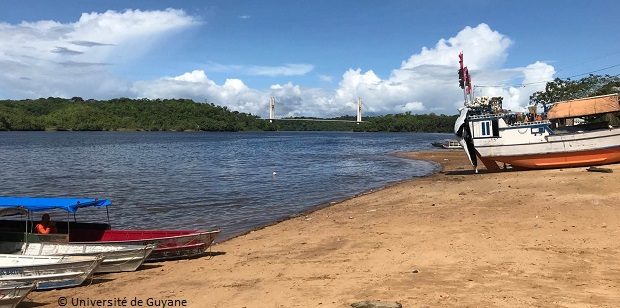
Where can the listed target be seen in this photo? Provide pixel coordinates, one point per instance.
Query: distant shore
(529, 238)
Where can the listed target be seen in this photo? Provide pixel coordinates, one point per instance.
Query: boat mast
(465, 81)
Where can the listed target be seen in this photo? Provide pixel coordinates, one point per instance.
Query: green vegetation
(406, 122)
(567, 89)
(122, 114)
(183, 115)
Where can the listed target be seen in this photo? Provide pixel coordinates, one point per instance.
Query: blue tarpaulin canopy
(45, 204)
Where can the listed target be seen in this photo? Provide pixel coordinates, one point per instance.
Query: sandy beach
(546, 238)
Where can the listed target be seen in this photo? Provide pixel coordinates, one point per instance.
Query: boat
(12, 293)
(557, 139)
(448, 144)
(169, 244)
(48, 272)
(116, 258)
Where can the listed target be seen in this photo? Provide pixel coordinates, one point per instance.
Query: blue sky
(306, 53)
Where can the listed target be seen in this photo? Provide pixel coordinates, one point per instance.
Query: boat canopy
(584, 107)
(11, 211)
(33, 204)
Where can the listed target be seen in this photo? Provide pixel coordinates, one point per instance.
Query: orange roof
(584, 107)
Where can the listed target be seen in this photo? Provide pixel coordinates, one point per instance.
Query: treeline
(406, 122)
(567, 89)
(122, 114)
(76, 114)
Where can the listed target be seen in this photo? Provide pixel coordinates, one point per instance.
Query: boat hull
(48, 272)
(116, 258)
(13, 293)
(169, 244)
(563, 160)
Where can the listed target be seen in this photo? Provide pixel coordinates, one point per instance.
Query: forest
(125, 114)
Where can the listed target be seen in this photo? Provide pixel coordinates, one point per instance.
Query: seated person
(45, 226)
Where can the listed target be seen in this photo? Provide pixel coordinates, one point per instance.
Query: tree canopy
(77, 114)
(567, 89)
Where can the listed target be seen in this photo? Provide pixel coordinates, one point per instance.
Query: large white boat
(543, 143)
(558, 139)
(12, 293)
(116, 258)
(48, 272)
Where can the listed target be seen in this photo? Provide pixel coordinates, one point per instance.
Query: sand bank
(527, 238)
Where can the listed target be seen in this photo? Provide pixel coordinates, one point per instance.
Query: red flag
(467, 81)
(461, 59)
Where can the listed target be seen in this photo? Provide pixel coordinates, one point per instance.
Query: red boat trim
(565, 159)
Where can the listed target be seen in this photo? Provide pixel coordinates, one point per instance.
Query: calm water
(204, 180)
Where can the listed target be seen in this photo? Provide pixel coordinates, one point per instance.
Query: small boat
(48, 272)
(170, 244)
(556, 139)
(449, 144)
(12, 293)
(116, 258)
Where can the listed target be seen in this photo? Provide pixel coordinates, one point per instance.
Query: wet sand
(509, 239)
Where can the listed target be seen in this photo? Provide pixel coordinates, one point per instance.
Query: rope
(523, 85)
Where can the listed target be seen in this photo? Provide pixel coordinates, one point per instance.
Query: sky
(315, 57)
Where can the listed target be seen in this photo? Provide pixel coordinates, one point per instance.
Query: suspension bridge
(272, 114)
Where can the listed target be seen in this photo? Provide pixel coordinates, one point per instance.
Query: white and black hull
(13, 293)
(48, 272)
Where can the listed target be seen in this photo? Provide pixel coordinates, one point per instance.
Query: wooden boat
(170, 244)
(12, 293)
(48, 272)
(448, 144)
(555, 140)
(116, 258)
(538, 144)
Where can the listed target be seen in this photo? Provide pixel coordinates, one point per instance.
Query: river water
(232, 181)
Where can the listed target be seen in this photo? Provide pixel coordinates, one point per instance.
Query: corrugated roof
(584, 107)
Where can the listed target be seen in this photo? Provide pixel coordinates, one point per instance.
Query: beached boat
(12, 293)
(170, 244)
(551, 140)
(116, 258)
(448, 144)
(48, 272)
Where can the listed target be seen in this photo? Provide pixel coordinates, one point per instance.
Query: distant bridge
(272, 114)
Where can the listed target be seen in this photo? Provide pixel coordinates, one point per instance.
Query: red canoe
(171, 244)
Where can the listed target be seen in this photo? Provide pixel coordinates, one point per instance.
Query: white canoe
(49, 272)
(116, 258)
(12, 293)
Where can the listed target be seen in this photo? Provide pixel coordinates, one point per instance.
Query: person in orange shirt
(45, 226)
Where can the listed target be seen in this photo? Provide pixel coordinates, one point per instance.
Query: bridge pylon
(272, 109)
(359, 110)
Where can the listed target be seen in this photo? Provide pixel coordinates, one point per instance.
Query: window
(486, 128)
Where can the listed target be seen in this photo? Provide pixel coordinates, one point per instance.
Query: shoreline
(404, 155)
(515, 238)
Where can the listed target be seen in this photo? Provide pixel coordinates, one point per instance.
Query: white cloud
(483, 49)
(295, 69)
(326, 78)
(49, 58)
(425, 82)
(196, 85)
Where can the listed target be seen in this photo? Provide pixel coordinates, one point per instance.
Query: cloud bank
(69, 59)
(425, 82)
(47, 58)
